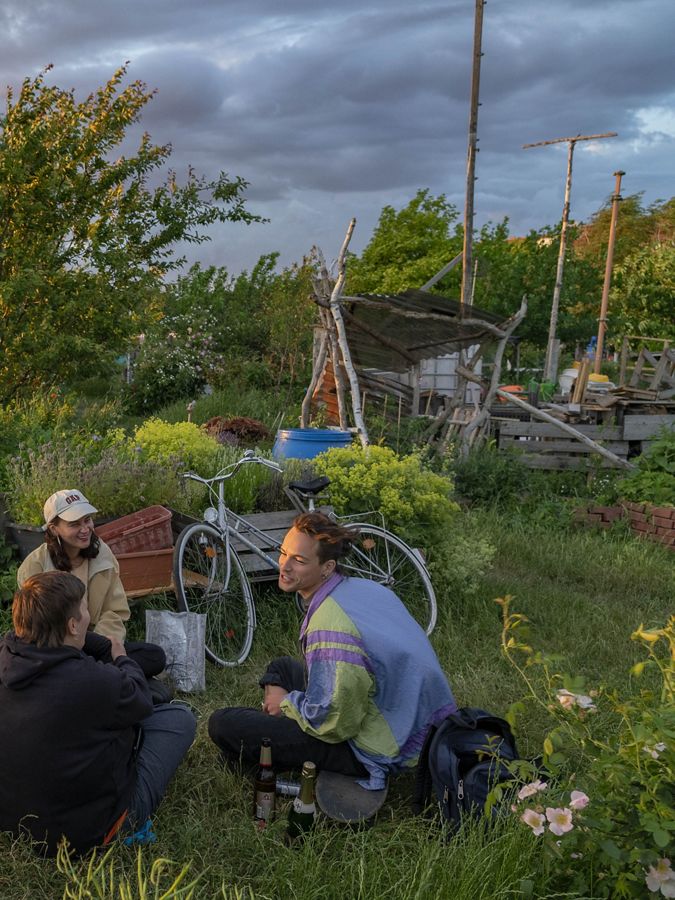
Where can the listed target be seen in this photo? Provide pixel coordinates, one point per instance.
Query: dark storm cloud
(336, 110)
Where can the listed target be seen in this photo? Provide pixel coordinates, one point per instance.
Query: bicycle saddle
(313, 487)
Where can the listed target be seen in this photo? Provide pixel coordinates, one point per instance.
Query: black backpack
(461, 761)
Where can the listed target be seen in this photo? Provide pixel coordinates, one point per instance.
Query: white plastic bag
(181, 635)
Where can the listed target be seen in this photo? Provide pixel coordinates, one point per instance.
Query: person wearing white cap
(71, 545)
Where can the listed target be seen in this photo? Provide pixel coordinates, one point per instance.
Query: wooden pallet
(543, 446)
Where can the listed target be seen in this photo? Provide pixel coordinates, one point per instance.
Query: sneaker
(144, 835)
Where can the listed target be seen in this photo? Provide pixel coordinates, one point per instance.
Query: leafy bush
(490, 477)
(654, 481)
(416, 504)
(182, 444)
(116, 484)
(176, 360)
(48, 415)
(610, 839)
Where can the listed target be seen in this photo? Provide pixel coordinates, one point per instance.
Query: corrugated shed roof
(395, 331)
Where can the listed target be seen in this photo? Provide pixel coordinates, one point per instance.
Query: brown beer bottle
(265, 786)
(302, 813)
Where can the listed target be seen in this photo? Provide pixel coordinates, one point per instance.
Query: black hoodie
(66, 741)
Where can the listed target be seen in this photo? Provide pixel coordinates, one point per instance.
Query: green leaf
(661, 837)
(548, 746)
(611, 849)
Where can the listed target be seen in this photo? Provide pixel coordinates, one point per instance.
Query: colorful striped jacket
(373, 678)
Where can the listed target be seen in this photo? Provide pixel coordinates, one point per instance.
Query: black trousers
(150, 657)
(238, 732)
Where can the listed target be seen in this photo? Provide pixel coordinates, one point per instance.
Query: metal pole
(602, 321)
(471, 157)
(551, 364)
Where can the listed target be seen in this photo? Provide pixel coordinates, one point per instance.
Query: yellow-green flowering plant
(602, 802)
(415, 503)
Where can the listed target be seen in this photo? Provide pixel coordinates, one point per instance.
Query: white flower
(583, 701)
(568, 700)
(661, 878)
(560, 820)
(529, 789)
(578, 800)
(535, 820)
(656, 751)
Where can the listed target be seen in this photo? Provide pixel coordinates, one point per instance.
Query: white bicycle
(210, 578)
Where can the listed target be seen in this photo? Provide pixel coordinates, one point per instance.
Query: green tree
(261, 321)
(407, 247)
(85, 241)
(642, 299)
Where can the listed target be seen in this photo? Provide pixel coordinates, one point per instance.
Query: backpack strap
(422, 789)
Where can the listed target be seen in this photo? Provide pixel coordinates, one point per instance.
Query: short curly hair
(334, 541)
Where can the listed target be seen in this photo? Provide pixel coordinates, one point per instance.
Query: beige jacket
(108, 605)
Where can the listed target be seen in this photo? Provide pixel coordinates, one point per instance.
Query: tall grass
(274, 408)
(584, 593)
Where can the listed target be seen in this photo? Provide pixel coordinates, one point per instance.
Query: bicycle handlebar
(231, 470)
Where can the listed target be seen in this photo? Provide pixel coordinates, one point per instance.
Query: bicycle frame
(224, 515)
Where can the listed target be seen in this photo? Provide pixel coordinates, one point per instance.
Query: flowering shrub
(116, 484)
(182, 444)
(416, 505)
(610, 839)
(174, 361)
(414, 501)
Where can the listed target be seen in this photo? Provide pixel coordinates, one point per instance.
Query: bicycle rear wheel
(379, 555)
(207, 582)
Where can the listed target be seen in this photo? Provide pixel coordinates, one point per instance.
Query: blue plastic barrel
(305, 443)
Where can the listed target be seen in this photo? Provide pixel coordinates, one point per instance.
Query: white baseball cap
(69, 505)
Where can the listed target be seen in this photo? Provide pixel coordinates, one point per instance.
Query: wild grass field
(584, 592)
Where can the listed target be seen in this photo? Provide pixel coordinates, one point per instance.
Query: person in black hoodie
(83, 752)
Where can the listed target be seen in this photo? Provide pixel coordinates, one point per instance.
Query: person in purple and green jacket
(369, 686)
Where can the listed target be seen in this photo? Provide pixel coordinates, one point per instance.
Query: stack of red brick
(656, 523)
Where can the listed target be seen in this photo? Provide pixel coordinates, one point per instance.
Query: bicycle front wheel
(209, 581)
(379, 555)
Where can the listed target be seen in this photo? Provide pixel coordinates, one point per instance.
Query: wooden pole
(342, 337)
(602, 321)
(551, 364)
(471, 156)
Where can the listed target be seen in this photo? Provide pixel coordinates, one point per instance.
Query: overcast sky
(333, 110)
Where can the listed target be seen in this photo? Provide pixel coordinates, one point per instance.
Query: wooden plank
(620, 448)
(543, 429)
(537, 461)
(640, 428)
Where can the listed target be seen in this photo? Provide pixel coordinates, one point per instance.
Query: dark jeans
(167, 736)
(149, 657)
(239, 731)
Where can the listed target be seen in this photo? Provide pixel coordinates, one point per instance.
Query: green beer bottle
(302, 813)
